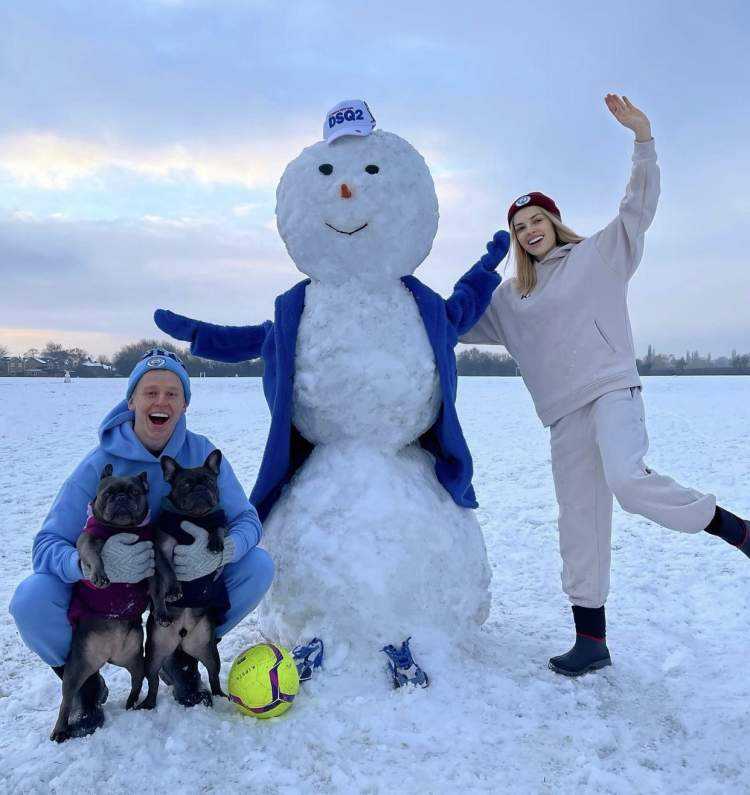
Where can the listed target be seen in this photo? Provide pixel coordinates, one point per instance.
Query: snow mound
(369, 549)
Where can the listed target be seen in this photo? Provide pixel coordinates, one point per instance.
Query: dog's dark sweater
(120, 600)
(209, 591)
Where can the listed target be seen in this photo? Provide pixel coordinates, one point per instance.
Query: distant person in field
(564, 319)
(132, 437)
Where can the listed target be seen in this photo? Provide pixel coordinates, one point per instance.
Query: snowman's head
(359, 208)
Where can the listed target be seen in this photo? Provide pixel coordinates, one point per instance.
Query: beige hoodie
(571, 336)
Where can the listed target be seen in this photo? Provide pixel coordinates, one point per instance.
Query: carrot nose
(345, 192)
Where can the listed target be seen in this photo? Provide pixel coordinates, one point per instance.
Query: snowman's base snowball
(370, 549)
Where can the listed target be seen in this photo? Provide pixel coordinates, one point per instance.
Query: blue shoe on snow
(309, 657)
(403, 668)
(588, 654)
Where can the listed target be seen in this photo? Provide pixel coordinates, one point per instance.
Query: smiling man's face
(361, 208)
(158, 402)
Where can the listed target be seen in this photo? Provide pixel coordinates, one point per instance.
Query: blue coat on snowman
(275, 341)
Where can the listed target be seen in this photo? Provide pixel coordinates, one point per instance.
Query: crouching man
(132, 437)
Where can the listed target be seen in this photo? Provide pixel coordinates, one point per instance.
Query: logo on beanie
(522, 201)
(156, 361)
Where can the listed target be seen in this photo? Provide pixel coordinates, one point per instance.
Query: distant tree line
(55, 360)
(125, 359)
(692, 362)
(476, 362)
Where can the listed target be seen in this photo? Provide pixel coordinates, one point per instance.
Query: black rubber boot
(590, 652)
(86, 713)
(731, 528)
(745, 545)
(180, 670)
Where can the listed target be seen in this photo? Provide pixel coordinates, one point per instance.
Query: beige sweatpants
(598, 451)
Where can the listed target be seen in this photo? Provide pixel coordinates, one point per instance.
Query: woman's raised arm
(620, 243)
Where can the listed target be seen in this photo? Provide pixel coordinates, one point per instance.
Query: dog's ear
(143, 477)
(213, 462)
(106, 472)
(169, 467)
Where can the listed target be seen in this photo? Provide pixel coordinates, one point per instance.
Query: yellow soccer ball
(263, 681)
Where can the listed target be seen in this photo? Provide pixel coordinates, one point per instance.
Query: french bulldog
(107, 617)
(184, 615)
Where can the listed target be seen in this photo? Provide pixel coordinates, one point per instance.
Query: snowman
(365, 484)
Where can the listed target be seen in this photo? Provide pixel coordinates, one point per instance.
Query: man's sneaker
(180, 670)
(588, 654)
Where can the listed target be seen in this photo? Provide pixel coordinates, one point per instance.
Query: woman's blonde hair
(525, 268)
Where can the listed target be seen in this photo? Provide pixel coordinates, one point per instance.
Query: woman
(564, 319)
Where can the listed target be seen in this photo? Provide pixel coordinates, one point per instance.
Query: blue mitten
(497, 248)
(177, 326)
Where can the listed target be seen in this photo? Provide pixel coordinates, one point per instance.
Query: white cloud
(55, 162)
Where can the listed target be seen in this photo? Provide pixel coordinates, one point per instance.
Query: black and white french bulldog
(184, 615)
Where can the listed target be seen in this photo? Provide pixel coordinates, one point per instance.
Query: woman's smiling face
(534, 231)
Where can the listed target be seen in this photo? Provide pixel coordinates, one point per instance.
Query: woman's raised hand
(629, 116)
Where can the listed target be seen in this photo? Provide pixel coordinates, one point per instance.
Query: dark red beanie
(537, 200)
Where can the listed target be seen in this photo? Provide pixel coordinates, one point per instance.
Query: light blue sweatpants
(40, 604)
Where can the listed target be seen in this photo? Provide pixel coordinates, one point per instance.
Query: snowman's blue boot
(308, 657)
(590, 652)
(731, 528)
(402, 667)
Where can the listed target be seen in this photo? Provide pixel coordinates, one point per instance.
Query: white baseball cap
(350, 117)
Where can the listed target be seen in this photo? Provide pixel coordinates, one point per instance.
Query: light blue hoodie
(54, 550)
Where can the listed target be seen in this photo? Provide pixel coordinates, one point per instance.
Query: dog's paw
(146, 704)
(163, 619)
(195, 697)
(60, 736)
(174, 595)
(101, 581)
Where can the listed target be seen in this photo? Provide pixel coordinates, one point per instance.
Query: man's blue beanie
(159, 359)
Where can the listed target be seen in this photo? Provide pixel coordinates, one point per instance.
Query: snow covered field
(671, 715)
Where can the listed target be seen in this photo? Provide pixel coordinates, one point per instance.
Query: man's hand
(197, 560)
(629, 116)
(126, 559)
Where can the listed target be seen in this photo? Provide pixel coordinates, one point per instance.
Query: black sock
(727, 526)
(590, 621)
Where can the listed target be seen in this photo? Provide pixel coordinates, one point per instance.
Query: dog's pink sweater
(120, 600)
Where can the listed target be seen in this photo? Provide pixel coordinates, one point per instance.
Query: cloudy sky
(141, 142)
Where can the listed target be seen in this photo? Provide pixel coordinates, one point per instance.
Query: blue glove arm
(54, 548)
(473, 291)
(209, 341)
(243, 523)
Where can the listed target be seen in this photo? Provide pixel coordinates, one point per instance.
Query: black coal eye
(326, 168)
(372, 169)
